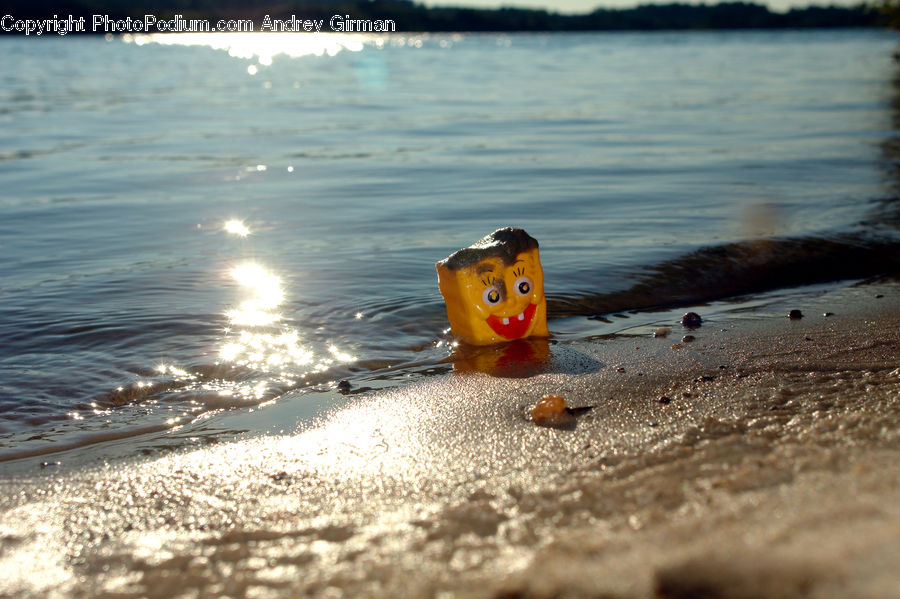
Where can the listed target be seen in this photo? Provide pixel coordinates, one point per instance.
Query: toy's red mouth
(513, 327)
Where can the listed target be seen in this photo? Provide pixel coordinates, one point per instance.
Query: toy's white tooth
(505, 321)
(522, 316)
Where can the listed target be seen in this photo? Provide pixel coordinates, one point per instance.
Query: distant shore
(21, 17)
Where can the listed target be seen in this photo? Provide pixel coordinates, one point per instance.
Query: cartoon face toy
(494, 289)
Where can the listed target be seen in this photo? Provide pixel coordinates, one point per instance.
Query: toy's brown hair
(505, 243)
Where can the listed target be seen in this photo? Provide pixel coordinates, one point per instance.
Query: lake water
(192, 226)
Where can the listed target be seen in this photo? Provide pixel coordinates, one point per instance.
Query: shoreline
(770, 470)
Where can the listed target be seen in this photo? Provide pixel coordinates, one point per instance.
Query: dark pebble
(688, 338)
(620, 369)
(48, 464)
(827, 314)
(704, 378)
(722, 367)
(664, 400)
(795, 314)
(691, 320)
(344, 386)
(879, 296)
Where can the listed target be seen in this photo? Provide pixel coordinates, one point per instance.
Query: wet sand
(758, 460)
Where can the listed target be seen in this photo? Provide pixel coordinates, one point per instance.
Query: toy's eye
(523, 285)
(490, 296)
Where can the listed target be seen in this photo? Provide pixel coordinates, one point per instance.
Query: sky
(584, 6)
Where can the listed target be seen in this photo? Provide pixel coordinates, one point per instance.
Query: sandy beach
(759, 459)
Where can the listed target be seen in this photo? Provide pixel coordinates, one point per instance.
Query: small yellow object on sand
(550, 410)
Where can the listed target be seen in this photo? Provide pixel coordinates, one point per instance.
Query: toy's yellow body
(494, 289)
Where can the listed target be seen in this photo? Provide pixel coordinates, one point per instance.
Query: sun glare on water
(256, 338)
(260, 356)
(265, 295)
(263, 46)
(236, 227)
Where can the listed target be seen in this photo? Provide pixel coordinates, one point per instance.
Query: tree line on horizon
(411, 16)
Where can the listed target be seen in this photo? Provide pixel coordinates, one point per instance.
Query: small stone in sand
(688, 338)
(620, 369)
(661, 332)
(795, 314)
(827, 314)
(691, 320)
(664, 400)
(550, 410)
(344, 386)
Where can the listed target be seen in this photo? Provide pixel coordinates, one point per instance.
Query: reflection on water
(236, 227)
(522, 358)
(266, 295)
(519, 358)
(262, 46)
(253, 340)
(260, 357)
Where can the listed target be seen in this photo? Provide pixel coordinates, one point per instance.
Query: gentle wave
(733, 269)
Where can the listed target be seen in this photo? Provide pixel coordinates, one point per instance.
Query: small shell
(551, 410)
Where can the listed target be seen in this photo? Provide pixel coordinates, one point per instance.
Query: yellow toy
(494, 289)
